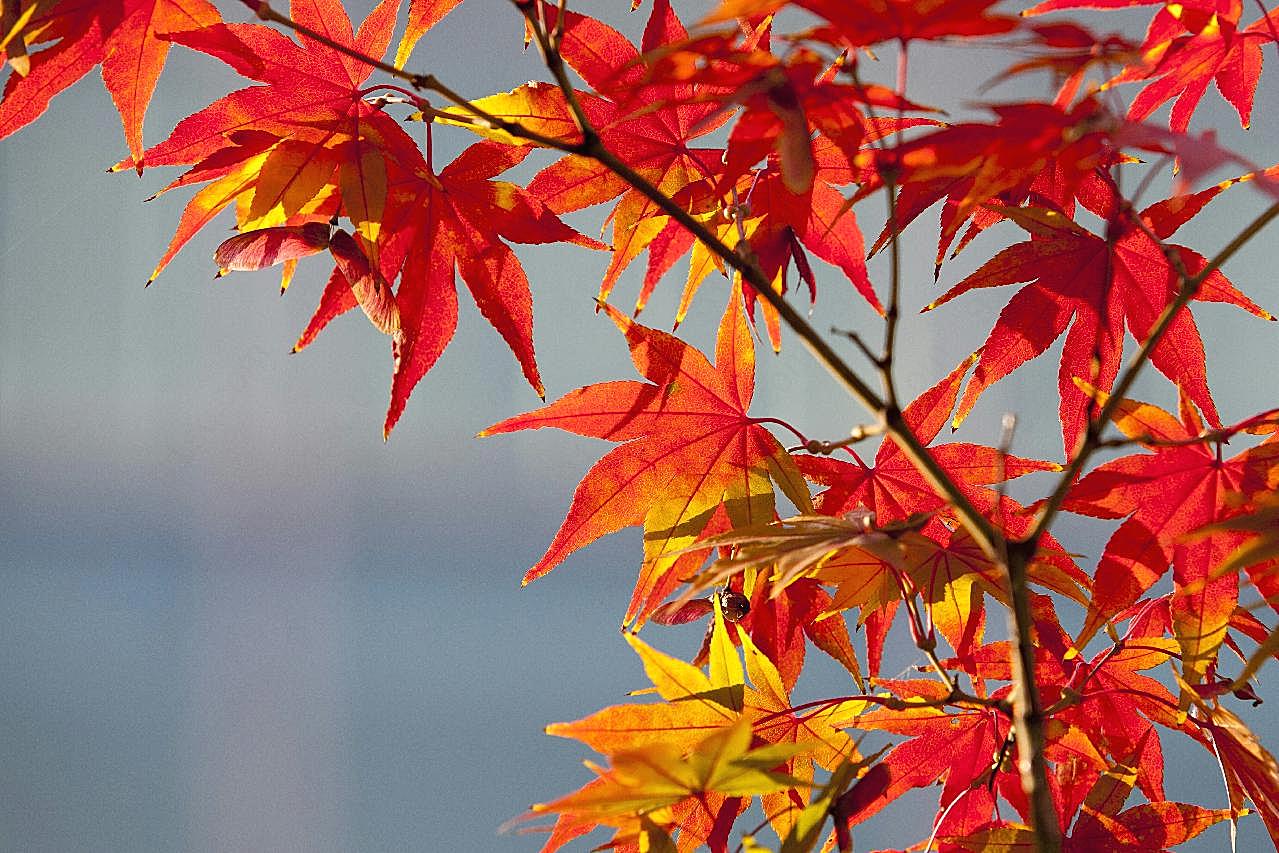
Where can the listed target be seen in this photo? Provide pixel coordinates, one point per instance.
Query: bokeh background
(233, 619)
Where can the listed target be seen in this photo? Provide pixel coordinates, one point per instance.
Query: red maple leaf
(1110, 699)
(126, 37)
(653, 140)
(1095, 285)
(688, 445)
(782, 100)
(1052, 186)
(1118, 703)
(435, 224)
(1047, 148)
(305, 146)
(862, 23)
(308, 146)
(1181, 65)
(815, 220)
(893, 490)
(962, 747)
(1189, 46)
(779, 226)
(1101, 826)
(1182, 485)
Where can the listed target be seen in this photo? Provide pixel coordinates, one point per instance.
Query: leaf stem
(784, 425)
(893, 315)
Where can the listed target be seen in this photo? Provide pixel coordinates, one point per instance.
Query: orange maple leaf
(128, 38)
(303, 147)
(654, 139)
(697, 706)
(1092, 286)
(688, 445)
(438, 227)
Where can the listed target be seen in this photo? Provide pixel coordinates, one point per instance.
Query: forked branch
(1015, 556)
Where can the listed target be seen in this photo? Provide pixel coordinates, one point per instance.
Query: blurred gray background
(233, 619)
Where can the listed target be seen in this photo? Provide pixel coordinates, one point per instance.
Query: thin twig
(892, 315)
(861, 345)
(857, 434)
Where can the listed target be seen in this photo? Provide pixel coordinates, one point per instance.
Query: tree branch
(984, 534)
(1027, 710)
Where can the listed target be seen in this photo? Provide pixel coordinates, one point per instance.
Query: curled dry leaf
(795, 547)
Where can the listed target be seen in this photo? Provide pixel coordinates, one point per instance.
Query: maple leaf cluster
(748, 147)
